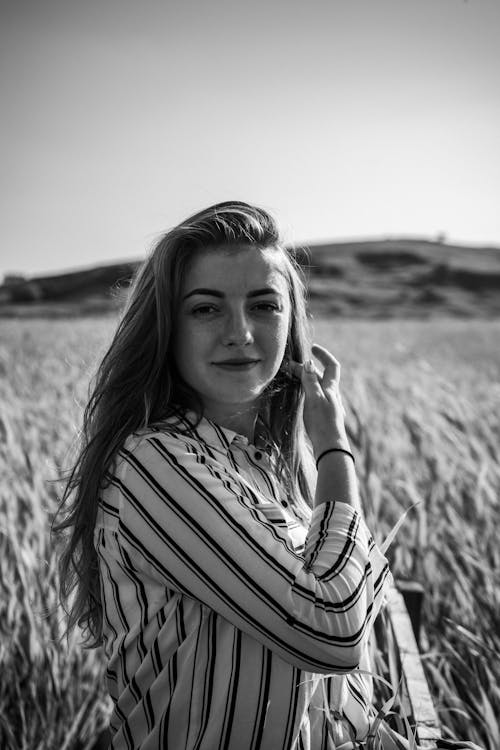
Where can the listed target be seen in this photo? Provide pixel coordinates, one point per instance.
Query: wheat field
(423, 412)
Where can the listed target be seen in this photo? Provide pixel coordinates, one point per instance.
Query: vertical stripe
(296, 680)
(172, 674)
(208, 689)
(207, 598)
(194, 681)
(234, 683)
(264, 699)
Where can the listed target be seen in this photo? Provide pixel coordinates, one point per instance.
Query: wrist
(339, 441)
(334, 452)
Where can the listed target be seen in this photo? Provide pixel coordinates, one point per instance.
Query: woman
(233, 586)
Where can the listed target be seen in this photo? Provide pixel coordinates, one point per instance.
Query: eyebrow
(216, 293)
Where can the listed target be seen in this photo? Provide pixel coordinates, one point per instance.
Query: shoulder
(155, 456)
(183, 435)
(150, 439)
(177, 442)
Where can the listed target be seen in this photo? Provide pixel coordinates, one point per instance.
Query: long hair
(137, 385)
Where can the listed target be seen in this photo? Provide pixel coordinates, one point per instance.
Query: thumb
(308, 367)
(306, 373)
(310, 378)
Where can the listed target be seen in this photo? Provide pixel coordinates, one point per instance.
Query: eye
(202, 310)
(267, 307)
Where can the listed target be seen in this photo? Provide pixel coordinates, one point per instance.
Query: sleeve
(196, 529)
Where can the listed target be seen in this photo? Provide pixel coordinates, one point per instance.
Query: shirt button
(258, 455)
(284, 503)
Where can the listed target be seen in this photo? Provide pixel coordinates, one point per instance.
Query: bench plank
(415, 682)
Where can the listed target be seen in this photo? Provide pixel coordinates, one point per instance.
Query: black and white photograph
(250, 375)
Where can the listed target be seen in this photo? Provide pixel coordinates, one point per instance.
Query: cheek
(182, 346)
(276, 341)
(190, 345)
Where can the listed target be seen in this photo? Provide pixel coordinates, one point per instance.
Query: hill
(408, 278)
(404, 278)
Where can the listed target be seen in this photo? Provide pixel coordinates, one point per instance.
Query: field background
(423, 410)
(396, 278)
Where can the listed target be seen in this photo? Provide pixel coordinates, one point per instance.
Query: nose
(238, 330)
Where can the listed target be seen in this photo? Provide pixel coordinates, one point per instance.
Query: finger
(331, 374)
(308, 374)
(310, 379)
(295, 369)
(325, 357)
(342, 406)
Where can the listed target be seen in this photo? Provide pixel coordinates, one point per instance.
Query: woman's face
(232, 327)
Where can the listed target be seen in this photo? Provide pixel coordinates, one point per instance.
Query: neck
(242, 422)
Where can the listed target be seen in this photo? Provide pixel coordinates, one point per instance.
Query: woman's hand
(323, 409)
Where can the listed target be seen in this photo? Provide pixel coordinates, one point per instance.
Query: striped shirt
(231, 620)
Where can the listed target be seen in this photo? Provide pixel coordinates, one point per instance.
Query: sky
(344, 118)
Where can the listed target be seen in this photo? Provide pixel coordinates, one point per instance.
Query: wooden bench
(398, 633)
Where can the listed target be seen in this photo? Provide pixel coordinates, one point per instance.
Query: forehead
(236, 270)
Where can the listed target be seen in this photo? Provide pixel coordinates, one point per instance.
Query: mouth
(237, 364)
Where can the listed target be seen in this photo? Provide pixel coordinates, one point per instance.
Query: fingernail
(309, 366)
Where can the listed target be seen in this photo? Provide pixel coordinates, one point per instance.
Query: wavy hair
(137, 385)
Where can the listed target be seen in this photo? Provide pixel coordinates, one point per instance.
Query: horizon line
(434, 240)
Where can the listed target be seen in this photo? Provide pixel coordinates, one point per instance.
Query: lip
(237, 365)
(237, 361)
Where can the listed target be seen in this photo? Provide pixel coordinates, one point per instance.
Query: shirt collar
(211, 432)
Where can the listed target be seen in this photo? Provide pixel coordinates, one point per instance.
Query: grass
(425, 417)
(51, 696)
(422, 400)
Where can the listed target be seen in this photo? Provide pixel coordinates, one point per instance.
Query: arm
(195, 528)
(337, 470)
(324, 423)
